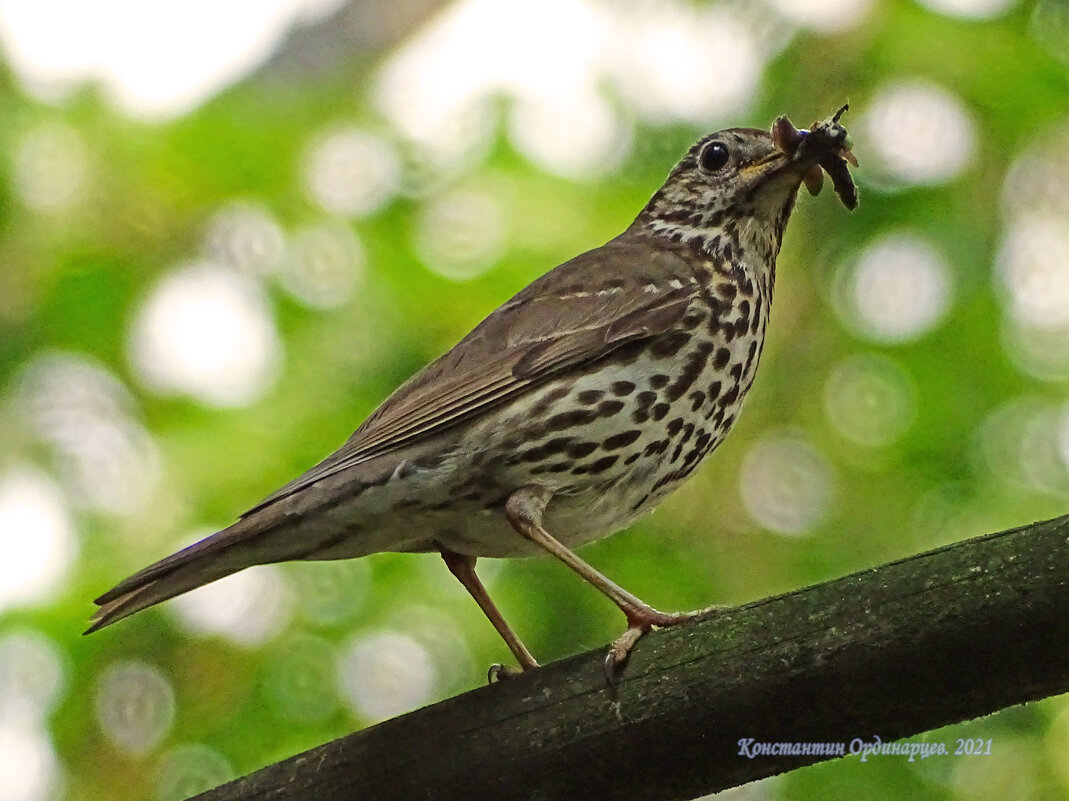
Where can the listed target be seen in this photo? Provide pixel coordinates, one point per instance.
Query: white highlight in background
(206, 331)
(898, 290)
(1032, 267)
(787, 485)
(351, 172)
(919, 133)
(969, 9)
(826, 16)
(50, 167)
(135, 706)
(31, 677)
(248, 607)
(105, 457)
(386, 673)
(29, 769)
(156, 58)
(37, 542)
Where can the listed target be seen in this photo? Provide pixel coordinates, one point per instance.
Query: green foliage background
(72, 281)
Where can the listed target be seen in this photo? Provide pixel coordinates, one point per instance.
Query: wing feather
(579, 312)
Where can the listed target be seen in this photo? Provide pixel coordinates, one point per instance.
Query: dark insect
(833, 144)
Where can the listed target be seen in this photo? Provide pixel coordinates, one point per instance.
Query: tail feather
(199, 564)
(154, 591)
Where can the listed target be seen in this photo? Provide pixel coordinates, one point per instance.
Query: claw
(499, 672)
(612, 669)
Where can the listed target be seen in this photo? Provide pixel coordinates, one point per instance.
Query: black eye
(713, 156)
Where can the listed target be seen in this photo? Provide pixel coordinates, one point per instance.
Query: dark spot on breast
(727, 291)
(640, 415)
(621, 440)
(736, 371)
(723, 355)
(581, 449)
(555, 446)
(696, 400)
(543, 404)
(531, 433)
(669, 344)
(626, 354)
(589, 397)
(601, 465)
(730, 396)
(576, 417)
(632, 458)
(726, 331)
(659, 411)
(750, 355)
(536, 454)
(674, 426)
(641, 501)
(744, 311)
(623, 388)
(646, 398)
(659, 381)
(692, 368)
(714, 389)
(655, 448)
(609, 408)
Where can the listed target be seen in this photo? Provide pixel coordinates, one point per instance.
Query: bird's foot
(499, 672)
(640, 621)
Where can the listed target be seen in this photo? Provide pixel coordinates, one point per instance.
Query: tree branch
(900, 649)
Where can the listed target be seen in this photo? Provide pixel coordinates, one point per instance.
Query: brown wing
(580, 311)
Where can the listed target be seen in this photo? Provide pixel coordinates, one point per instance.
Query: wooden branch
(890, 652)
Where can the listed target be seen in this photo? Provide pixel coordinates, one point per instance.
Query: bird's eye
(713, 156)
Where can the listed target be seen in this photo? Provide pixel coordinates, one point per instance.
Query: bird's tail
(201, 563)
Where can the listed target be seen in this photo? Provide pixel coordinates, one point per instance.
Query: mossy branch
(913, 645)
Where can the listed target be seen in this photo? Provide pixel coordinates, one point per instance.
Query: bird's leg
(463, 567)
(524, 511)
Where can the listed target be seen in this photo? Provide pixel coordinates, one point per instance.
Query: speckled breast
(615, 437)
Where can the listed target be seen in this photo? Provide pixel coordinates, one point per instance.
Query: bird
(572, 410)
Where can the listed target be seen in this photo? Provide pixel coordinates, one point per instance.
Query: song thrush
(570, 411)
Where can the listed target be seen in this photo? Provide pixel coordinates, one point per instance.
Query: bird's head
(738, 186)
